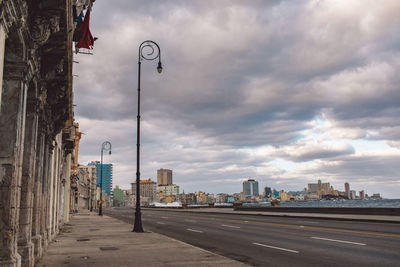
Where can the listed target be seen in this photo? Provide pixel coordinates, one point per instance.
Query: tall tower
(107, 173)
(164, 177)
(347, 190)
(250, 187)
(267, 191)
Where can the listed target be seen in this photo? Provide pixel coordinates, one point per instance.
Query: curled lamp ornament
(159, 67)
(107, 146)
(147, 51)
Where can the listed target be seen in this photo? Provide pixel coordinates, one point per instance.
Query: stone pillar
(60, 196)
(12, 126)
(67, 193)
(38, 197)
(45, 196)
(25, 245)
(2, 46)
(50, 193)
(62, 191)
(50, 233)
(54, 229)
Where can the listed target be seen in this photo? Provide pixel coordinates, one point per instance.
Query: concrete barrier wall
(327, 210)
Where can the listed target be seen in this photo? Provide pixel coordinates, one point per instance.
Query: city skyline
(260, 188)
(282, 92)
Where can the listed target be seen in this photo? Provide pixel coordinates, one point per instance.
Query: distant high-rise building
(164, 177)
(353, 194)
(347, 190)
(169, 190)
(362, 194)
(267, 191)
(250, 187)
(148, 189)
(321, 188)
(107, 172)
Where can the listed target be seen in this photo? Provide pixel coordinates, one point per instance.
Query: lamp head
(110, 152)
(159, 67)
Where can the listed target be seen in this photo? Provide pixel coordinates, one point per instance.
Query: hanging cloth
(79, 20)
(86, 40)
(78, 30)
(81, 5)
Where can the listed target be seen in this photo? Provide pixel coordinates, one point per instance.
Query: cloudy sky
(285, 92)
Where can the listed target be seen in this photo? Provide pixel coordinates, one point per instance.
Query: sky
(284, 92)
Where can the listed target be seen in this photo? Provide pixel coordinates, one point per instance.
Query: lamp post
(151, 54)
(105, 146)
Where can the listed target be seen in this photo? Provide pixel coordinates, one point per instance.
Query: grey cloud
(236, 74)
(300, 153)
(366, 167)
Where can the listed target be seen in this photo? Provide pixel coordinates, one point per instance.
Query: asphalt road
(277, 241)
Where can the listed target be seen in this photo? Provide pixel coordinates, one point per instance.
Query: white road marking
(196, 231)
(186, 220)
(231, 226)
(340, 241)
(246, 221)
(301, 226)
(284, 249)
(160, 223)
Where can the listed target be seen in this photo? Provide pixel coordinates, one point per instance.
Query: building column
(61, 197)
(25, 245)
(2, 46)
(38, 196)
(67, 187)
(12, 126)
(50, 194)
(44, 227)
(56, 192)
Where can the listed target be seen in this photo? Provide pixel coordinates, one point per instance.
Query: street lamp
(150, 55)
(105, 146)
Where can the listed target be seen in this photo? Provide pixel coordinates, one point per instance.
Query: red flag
(87, 40)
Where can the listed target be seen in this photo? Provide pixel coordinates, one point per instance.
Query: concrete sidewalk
(92, 240)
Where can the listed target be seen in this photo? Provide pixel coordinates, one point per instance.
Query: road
(277, 241)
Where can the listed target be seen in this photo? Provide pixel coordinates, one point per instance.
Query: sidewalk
(92, 240)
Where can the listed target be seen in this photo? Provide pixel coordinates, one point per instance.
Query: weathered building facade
(36, 125)
(87, 187)
(148, 191)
